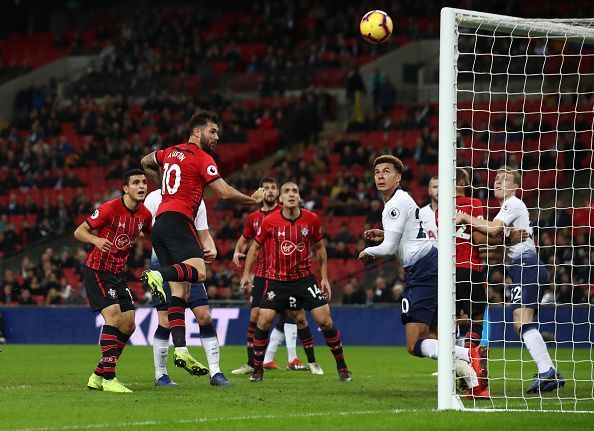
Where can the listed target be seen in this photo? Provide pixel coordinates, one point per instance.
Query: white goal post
(520, 93)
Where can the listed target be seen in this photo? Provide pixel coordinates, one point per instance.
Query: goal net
(519, 93)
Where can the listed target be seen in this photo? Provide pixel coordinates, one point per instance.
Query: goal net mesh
(525, 97)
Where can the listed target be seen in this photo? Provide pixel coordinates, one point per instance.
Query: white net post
(447, 167)
(520, 93)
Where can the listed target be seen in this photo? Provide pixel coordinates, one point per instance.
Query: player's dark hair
(462, 174)
(386, 158)
(201, 118)
(268, 180)
(131, 173)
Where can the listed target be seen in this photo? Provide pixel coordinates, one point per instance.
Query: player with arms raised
(119, 222)
(527, 273)
(187, 170)
(287, 236)
(403, 236)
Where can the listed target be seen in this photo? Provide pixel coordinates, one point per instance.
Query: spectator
(25, 298)
(352, 294)
(381, 294)
(345, 235)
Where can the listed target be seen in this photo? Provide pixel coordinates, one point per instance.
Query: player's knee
(326, 323)
(300, 321)
(203, 317)
(201, 274)
(128, 327)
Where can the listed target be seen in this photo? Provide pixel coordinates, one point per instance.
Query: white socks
(430, 349)
(291, 340)
(160, 352)
(538, 349)
(276, 339)
(211, 348)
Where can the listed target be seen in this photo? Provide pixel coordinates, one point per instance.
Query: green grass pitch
(43, 387)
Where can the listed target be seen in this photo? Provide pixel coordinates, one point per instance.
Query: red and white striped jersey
(252, 224)
(121, 226)
(287, 244)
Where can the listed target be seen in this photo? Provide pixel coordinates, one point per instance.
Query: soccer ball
(376, 26)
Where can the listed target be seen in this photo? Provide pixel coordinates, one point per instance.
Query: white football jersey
(513, 213)
(401, 215)
(153, 200)
(427, 216)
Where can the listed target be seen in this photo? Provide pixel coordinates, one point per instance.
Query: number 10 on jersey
(168, 171)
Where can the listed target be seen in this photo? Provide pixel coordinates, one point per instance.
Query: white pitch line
(205, 420)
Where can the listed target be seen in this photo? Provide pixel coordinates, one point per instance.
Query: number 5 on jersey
(168, 171)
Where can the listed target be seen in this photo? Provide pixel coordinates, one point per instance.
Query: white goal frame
(451, 20)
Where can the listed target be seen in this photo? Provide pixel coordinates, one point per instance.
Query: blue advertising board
(358, 325)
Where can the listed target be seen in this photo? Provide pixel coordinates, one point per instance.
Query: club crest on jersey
(505, 208)
(270, 295)
(212, 170)
(288, 247)
(394, 213)
(122, 241)
(112, 293)
(304, 231)
(95, 214)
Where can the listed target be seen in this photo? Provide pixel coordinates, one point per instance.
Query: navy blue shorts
(198, 296)
(527, 274)
(419, 300)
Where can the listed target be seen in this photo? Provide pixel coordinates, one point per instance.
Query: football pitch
(43, 387)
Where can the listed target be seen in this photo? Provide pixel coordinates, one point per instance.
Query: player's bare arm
(151, 168)
(250, 260)
(225, 191)
(83, 234)
(208, 245)
(322, 257)
(240, 247)
(494, 227)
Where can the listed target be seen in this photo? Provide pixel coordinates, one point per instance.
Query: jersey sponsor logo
(394, 213)
(304, 231)
(122, 241)
(289, 247)
(112, 293)
(212, 170)
(95, 214)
